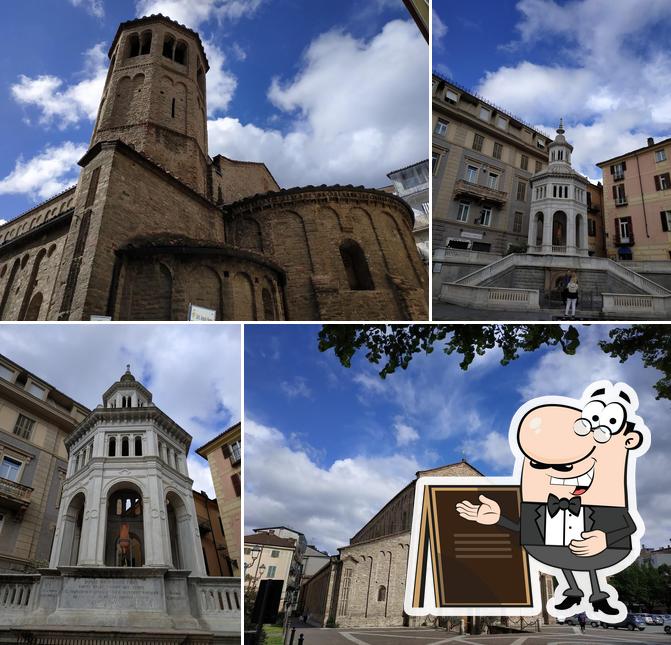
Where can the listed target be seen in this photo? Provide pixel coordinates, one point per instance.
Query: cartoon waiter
(577, 484)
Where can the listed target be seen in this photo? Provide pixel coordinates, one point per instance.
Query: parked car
(657, 619)
(631, 622)
(648, 619)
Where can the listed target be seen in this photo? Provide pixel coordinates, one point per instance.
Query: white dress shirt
(563, 527)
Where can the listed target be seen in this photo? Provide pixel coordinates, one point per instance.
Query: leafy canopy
(394, 346)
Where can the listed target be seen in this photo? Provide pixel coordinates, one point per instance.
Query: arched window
(200, 79)
(125, 531)
(180, 53)
(133, 46)
(111, 448)
(168, 46)
(268, 305)
(124, 447)
(146, 43)
(138, 446)
(382, 594)
(356, 266)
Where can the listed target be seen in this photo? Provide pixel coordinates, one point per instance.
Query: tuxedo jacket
(614, 521)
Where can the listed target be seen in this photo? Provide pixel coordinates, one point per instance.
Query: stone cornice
(38, 407)
(323, 194)
(62, 219)
(563, 176)
(121, 415)
(143, 248)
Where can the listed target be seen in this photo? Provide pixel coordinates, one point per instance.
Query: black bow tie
(555, 505)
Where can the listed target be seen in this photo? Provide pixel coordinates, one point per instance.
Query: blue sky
(193, 371)
(605, 67)
(327, 447)
(323, 92)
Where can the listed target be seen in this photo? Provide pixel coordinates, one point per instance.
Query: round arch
(73, 521)
(559, 228)
(124, 525)
(182, 545)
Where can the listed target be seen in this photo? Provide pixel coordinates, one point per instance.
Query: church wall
(303, 231)
(374, 564)
(239, 179)
(28, 269)
(134, 202)
(160, 286)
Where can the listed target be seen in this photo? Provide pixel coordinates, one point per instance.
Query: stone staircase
(519, 279)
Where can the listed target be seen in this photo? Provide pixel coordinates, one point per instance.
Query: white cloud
(405, 434)
(94, 7)
(192, 370)
(492, 448)
(347, 128)
(47, 173)
(3, 222)
(221, 84)
(65, 105)
(199, 471)
(438, 28)
(194, 13)
(297, 388)
(328, 503)
(611, 81)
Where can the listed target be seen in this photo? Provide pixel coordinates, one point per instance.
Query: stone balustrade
(490, 297)
(17, 592)
(636, 305)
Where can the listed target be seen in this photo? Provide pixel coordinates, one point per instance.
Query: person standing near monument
(571, 296)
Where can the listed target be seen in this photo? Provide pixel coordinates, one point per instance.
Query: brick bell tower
(155, 97)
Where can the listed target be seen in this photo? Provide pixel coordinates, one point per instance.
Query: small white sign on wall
(197, 313)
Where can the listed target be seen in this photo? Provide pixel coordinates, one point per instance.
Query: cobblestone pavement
(556, 635)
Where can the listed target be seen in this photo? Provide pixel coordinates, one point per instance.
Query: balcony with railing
(464, 188)
(14, 495)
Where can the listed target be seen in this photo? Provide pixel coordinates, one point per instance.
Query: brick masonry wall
(161, 287)
(28, 270)
(239, 179)
(303, 229)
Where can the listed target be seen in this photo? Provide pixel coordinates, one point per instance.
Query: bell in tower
(154, 97)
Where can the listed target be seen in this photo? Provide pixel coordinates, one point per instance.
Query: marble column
(570, 232)
(547, 232)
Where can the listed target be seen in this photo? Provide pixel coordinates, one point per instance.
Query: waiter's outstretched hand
(593, 542)
(487, 512)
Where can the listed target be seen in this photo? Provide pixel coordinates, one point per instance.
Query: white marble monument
(558, 222)
(126, 558)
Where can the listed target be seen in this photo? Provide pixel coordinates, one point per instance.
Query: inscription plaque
(112, 593)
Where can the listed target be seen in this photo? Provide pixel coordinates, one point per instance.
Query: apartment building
(596, 231)
(637, 203)
(482, 161)
(224, 456)
(35, 419)
(212, 536)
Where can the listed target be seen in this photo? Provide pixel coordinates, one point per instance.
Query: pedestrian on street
(571, 296)
(582, 620)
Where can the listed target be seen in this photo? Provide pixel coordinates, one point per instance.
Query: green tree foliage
(644, 587)
(394, 346)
